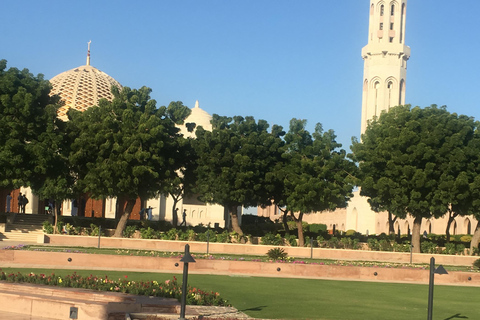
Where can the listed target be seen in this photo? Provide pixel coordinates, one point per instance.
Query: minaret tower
(385, 59)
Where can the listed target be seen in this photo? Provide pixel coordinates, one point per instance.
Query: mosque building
(384, 81)
(81, 88)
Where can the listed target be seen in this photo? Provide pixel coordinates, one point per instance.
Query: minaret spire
(88, 53)
(196, 104)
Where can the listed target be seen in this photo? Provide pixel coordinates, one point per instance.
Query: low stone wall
(78, 261)
(56, 302)
(258, 250)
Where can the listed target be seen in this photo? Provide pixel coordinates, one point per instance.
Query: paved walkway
(18, 316)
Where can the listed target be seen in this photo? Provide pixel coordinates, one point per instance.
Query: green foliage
(350, 232)
(430, 247)
(316, 228)
(454, 249)
(291, 240)
(476, 263)
(466, 238)
(47, 227)
(233, 162)
(129, 231)
(208, 234)
(272, 239)
(277, 254)
(420, 162)
(224, 237)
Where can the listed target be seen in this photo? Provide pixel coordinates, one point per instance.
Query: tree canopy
(29, 136)
(126, 148)
(315, 173)
(234, 160)
(413, 160)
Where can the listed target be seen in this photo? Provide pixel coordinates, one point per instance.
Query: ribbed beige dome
(81, 88)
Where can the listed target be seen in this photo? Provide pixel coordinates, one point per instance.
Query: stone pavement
(18, 316)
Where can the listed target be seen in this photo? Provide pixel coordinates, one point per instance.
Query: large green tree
(234, 160)
(316, 175)
(412, 162)
(29, 130)
(127, 148)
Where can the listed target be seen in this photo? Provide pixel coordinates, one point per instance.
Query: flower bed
(167, 289)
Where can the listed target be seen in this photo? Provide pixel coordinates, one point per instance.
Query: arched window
(382, 10)
(371, 9)
(468, 226)
(392, 10)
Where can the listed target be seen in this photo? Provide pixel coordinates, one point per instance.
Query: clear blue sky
(271, 59)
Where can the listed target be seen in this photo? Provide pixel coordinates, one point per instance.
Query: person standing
(149, 213)
(9, 201)
(184, 217)
(24, 203)
(20, 201)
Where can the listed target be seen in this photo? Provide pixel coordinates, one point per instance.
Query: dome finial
(196, 104)
(88, 53)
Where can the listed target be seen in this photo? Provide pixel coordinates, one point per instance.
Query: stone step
(29, 236)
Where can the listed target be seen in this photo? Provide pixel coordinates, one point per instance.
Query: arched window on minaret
(390, 98)
(376, 87)
(402, 22)
(401, 92)
(392, 10)
(382, 10)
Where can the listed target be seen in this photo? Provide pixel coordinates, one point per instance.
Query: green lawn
(276, 298)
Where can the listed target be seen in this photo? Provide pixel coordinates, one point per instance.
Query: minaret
(385, 59)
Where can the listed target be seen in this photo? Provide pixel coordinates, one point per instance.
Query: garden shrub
(171, 234)
(209, 234)
(277, 254)
(129, 231)
(350, 232)
(272, 239)
(429, 247)
(292, 240)
(223, 237)
(466, 238)
(148, 233)
(476, 263)
(47, 227)
(317, 228)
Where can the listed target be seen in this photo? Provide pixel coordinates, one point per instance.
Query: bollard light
(439, 270)
(187, 258)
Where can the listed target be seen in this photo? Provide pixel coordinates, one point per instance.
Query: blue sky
(271, 59)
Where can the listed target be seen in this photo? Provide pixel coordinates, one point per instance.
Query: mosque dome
(82, 87)
(198, 116)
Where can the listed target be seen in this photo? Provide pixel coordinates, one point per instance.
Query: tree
(410, 159)
(316, 175)
(233, 162)
(126, 148)
(185, 178)
(27, 124)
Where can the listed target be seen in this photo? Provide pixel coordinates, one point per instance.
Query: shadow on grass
(259, 308)
(456, 316)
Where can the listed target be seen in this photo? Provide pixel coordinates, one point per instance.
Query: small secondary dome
(198, 116)
(82, 87)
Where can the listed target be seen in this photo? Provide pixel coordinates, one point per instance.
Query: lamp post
(187, 257)
(439, 270)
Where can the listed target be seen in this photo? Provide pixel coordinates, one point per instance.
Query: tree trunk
(391, 223)
(174, 212)
(475, 239)
(119, 209)
(301, 239)
(417, 224)
(451, 218)
(122, 223)
(284, 221)
(234, 220)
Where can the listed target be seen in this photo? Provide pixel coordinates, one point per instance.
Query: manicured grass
(279, 298)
